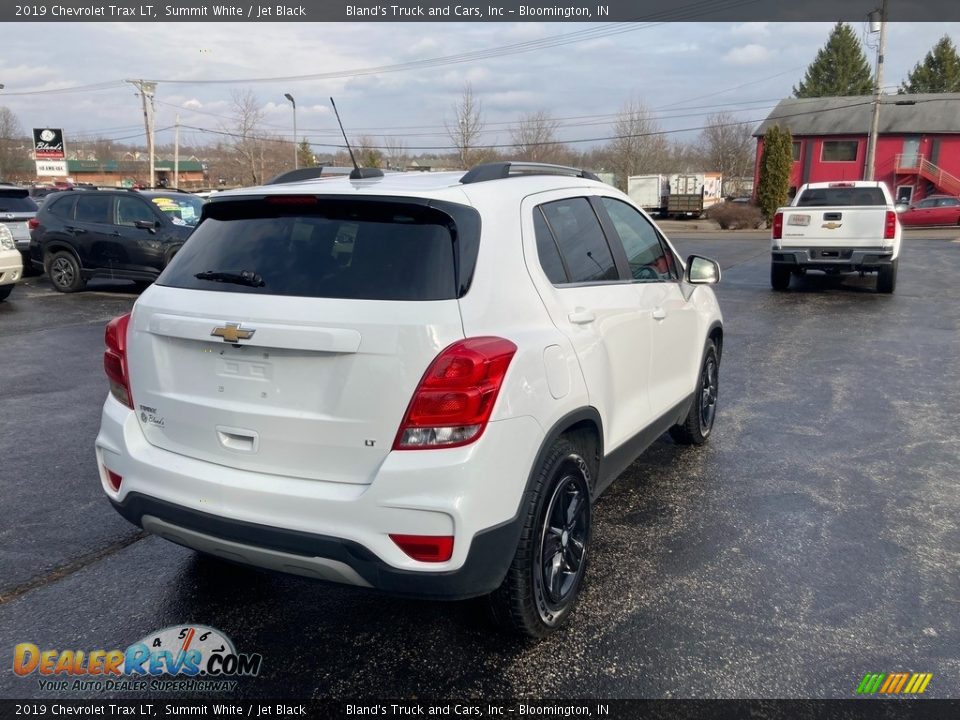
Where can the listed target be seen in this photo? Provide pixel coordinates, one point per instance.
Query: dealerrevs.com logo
(184, 657)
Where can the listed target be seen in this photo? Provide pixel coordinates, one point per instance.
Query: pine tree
(776, 162)
(305, 155)
(938, 73)
(840, 68)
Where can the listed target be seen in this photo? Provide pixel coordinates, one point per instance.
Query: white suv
(418, 382)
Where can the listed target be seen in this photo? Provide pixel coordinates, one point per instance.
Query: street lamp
(296, 154)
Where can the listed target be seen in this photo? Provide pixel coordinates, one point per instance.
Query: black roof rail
(313, 173)
(501, 170)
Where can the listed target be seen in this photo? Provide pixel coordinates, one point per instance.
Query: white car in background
(11, 263)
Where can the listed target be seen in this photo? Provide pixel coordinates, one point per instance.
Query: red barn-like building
(918, 151)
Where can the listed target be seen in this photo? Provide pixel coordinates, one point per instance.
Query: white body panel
(11, 266)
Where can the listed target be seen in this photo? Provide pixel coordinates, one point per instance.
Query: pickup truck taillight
(778, 226)
(115, 359)
(890, 227)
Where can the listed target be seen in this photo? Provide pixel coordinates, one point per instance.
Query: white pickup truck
(837, 227)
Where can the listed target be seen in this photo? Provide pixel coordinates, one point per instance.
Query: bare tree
(727, 146)
(638, 146)
(13, 157)
(466, 127)
(534, 139)
(367, 153)
(246, 137)
(396, 152)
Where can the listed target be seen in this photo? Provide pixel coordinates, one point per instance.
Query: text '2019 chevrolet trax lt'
(418, 382)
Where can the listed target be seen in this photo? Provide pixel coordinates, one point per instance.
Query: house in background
(918, 150)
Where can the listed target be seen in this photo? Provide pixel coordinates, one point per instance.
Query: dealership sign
(48, 144)
(51, 168)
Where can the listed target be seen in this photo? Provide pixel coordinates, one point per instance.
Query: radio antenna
(358, 173)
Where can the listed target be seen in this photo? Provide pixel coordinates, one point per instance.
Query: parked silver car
(17, 209)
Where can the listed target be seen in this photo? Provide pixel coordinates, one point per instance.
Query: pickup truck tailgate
(827, 227)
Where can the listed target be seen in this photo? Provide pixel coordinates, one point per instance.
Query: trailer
(648, 191)
(692, 193)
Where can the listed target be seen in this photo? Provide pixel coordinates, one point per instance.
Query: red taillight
(114, 480)
(453, 402)
(33, 223)
(890, 227)
(778, 226)
(426, 548)
(115, 359)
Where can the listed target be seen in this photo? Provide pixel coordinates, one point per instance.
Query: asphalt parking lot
(813, 540)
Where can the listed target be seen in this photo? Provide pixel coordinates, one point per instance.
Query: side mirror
(150, 225)
(702, 271)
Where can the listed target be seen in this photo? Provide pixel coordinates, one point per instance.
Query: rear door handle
(581, 317)
(659, 314)
(75, 230)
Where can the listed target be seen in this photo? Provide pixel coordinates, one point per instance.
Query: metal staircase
(920, 166)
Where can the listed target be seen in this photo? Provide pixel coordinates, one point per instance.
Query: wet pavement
(813, 540)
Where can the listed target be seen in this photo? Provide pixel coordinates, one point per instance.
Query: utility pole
(868, 173)
(176, 154)
(147, 89)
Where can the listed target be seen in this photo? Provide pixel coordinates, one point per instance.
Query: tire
(5, 291)
(887, 277)
(780, 277)
(545, 577)
(64, 272)
(698, 425)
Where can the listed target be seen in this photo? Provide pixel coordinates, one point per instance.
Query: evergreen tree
(776, 162)
(840, 68)
(938, 73)
(305, 155)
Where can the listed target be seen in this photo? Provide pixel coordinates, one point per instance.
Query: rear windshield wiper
(244, 277)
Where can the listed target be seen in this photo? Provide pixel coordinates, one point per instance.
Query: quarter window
(580, 240)
(547, 250)
(648, 260)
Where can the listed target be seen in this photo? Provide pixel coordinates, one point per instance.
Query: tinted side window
(948, 202)
(62, 207)
(547, 250)
(581, 240)
(94, 208)
(641, 242)
(132, 209)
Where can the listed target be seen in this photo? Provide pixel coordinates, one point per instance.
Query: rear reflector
(778, 226)
(455, 397)
(426, 548)
(890, 227)
(113, 479)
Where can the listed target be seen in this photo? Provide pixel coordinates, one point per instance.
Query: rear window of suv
(330, 248)
(16, 201)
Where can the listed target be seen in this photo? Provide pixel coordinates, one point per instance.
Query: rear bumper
(335, 531)
(834, 257)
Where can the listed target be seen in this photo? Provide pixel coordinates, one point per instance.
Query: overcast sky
(682, 71)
